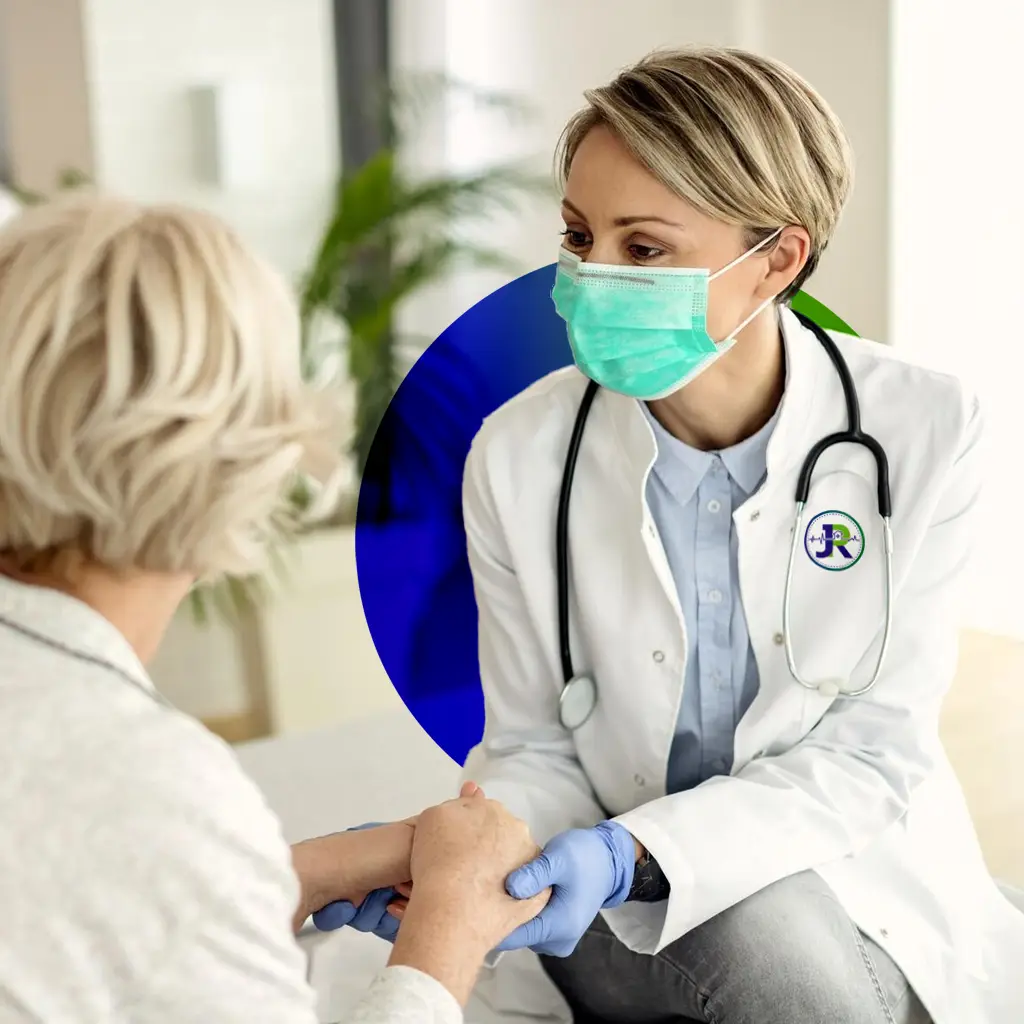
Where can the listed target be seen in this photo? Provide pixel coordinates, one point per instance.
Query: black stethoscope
(579, 692)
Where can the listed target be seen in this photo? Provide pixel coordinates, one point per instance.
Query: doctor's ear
(786, 258)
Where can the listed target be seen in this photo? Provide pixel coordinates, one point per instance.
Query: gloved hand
(370, 916)
(588, 870)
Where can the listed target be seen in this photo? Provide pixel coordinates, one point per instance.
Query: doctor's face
(615, 211)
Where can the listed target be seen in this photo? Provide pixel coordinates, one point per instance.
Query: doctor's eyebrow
(625, 222)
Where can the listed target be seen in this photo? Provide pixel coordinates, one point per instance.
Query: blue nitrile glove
(370, 916)
(588, 870)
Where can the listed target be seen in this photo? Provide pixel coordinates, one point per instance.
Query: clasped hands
(473, 858)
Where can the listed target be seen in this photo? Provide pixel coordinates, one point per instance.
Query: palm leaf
(432, 262)
(363, 204)
(375, 205)
(472, 195)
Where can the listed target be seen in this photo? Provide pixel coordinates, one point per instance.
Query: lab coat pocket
(837, 598)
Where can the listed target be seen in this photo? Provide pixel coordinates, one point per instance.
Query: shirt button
(714, 596)
(778, 639)
(658, 656)
(714, 506)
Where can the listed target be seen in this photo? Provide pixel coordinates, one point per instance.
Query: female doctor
(732, 753)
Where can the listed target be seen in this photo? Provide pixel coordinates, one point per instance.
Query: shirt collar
(747, 461)
(681, 468)
(678, 466)
(57, 620)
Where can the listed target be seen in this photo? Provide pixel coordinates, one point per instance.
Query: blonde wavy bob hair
(152, 409)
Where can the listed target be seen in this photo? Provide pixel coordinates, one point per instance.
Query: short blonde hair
(152, 408)
(740, 137)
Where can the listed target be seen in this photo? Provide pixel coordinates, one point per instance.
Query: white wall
(549, 53)
(44, 92)
(957, 247)
(843, 48)
(145, 58)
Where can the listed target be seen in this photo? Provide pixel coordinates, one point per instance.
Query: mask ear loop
(764, 305)
(743, 255)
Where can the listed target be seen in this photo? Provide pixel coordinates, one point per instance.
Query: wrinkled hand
(588, 870)
(462, 853)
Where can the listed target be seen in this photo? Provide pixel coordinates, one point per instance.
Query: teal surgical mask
(641, 331)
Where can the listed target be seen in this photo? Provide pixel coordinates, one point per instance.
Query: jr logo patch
(834, 541)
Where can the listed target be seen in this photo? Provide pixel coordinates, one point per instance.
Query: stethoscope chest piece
(829, 688)
(577, 701)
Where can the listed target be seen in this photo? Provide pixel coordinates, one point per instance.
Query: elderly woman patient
(151, 416)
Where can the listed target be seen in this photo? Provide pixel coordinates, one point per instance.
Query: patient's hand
(458, 909)
(348, 865)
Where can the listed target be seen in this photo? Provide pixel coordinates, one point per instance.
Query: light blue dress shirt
(692, 496)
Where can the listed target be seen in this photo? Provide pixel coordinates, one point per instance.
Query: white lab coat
(858, 789)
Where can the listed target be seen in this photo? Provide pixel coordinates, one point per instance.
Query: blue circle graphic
(413, 571)
(414, 578)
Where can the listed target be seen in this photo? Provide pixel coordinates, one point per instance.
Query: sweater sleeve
(403, 995)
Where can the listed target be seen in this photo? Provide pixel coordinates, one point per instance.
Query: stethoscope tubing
(853, 434)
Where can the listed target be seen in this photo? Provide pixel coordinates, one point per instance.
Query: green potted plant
(389, 236)
(386, 237)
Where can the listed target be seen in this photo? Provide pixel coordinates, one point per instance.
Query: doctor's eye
(575, 239)
(642, 253)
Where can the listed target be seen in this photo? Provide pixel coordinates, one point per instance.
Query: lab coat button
(639, 780)
(658, 656)
(754, 516)
(778, 639)
(884, 932)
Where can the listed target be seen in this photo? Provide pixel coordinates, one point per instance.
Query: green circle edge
(820, 314)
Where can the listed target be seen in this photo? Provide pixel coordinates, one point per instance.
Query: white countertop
(381, 768)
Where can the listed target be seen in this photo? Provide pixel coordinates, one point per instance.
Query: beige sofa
(983, 731)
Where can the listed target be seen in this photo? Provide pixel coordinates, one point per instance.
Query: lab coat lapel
(630, 637)
(836, 608)
(638, 450)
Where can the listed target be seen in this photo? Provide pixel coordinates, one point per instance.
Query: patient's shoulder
(128, 824)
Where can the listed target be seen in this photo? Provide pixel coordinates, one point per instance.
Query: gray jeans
(786, 955)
